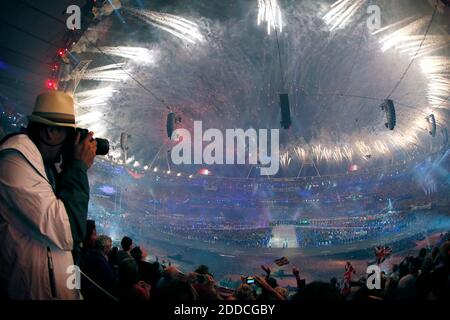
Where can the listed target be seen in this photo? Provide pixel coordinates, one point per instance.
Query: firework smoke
(437, 70)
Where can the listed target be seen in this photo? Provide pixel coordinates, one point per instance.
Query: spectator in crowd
(43, 207)
(148, 272)
(407, 284)
(243, 293)
(91, 236)
(422, 255)
(335, 284)
(202, 269)
(89, 243)
(349, 271)
(127, 268)
(272, 282)
(205, 286)
(428, 262)
(395, 274)
(174, 285)
(127, 244)
(440, 276)
(102, 282)
(112, 256)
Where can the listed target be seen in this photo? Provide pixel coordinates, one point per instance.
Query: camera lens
(102, 146)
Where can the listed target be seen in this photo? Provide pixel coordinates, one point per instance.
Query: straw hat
(54, 108)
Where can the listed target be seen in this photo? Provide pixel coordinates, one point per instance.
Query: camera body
(250, 280)
(102, 144)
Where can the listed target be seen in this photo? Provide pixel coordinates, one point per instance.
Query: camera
(250, 280)
(102, 144)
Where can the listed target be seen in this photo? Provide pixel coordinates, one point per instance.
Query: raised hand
(266, 269)
(85, 150)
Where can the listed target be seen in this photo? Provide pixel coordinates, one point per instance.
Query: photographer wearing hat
(44, 195)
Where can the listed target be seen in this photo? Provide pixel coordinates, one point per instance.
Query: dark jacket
(96, 267)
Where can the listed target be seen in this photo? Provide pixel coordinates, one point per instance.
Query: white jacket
(32, 219)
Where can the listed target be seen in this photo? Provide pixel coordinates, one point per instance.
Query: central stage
(283, 236)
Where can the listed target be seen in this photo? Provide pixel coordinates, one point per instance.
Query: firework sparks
(269, 12)
(399, 35)
(175, 25)
(301, 153)
(285, 160)
(437, 70)
(134, 53)
(393, 25)
(331, 153)
(408, 39)
(341, 12)
(347, 152)
(94, 98)
(364, 149)
(111, 72)
(381, 147)
(411, 45)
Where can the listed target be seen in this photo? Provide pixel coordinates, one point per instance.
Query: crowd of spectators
(317, 233)
(346, 231)
(355, 194)
(125, 274)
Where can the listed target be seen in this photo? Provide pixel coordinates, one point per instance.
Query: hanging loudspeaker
(389, 109)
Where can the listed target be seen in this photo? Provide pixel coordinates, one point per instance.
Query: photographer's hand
(85, 150)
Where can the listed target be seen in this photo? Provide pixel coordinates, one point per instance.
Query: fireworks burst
(333, 153)
(134, 53)
(111, 72)
(397, 37)
(364, 149)
(94, 98)
(411, 44)
(175, 25)
(393, 25)
(341, 12)
(437, 70)
(381, 147)
(301, 153)
(269, 12)
(285, 160)
(408, 39)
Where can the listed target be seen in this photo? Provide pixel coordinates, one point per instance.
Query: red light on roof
(61, 52)
(51, 84)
